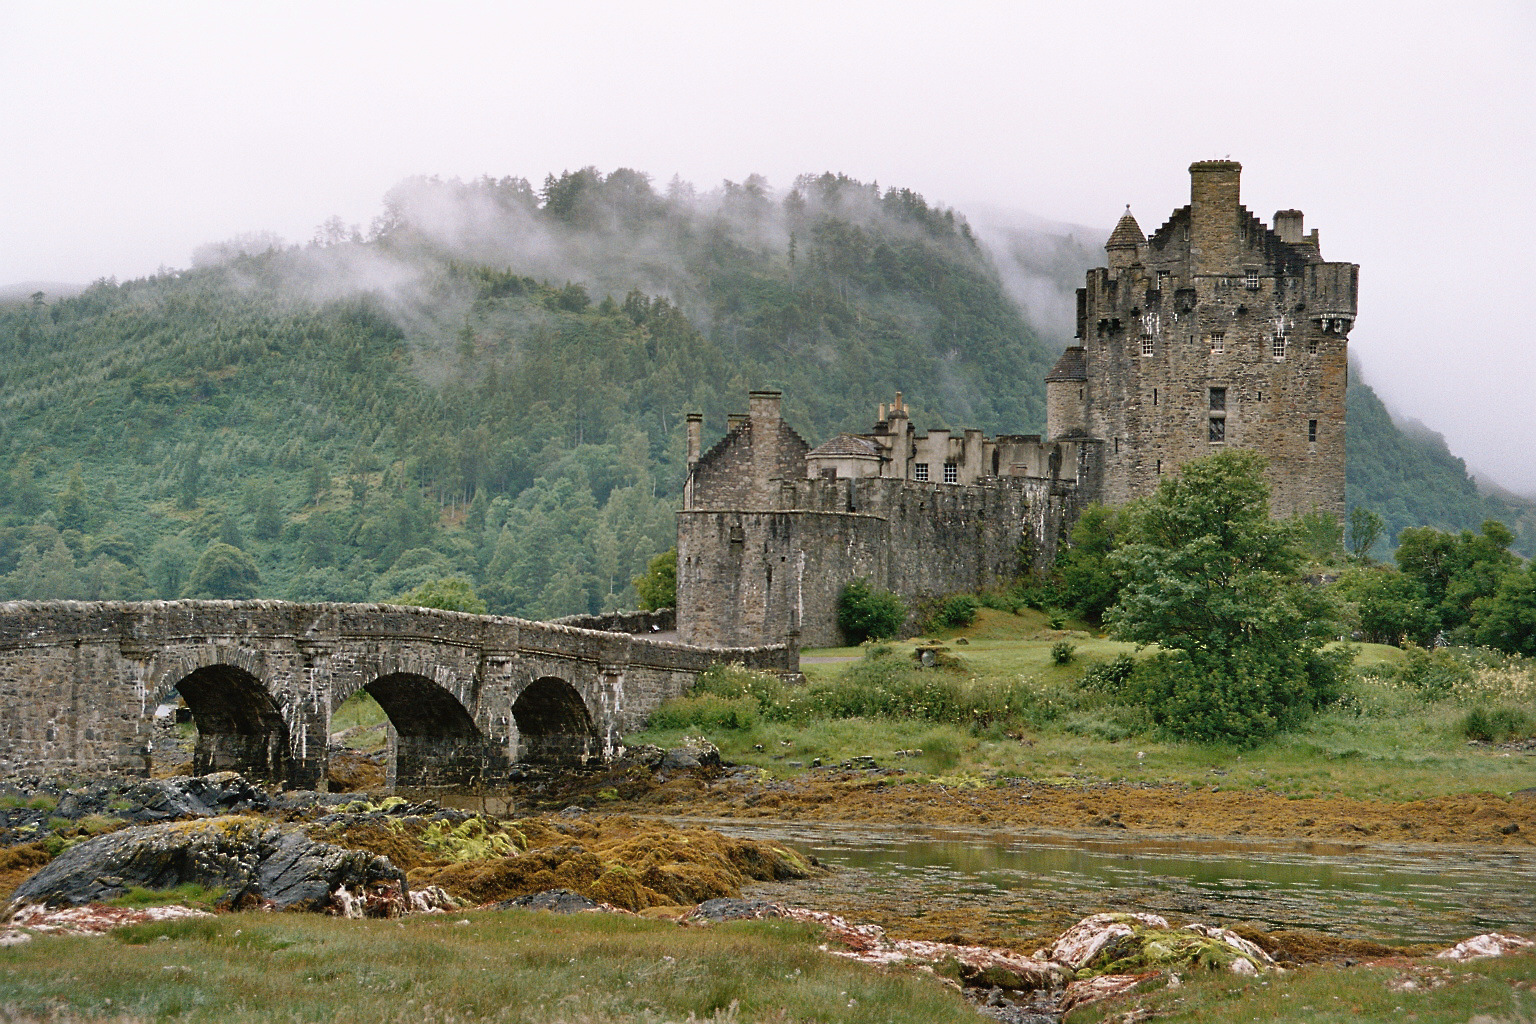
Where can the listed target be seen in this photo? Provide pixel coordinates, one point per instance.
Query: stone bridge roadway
(466, 695)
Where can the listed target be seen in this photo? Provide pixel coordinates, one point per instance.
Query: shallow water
(1035, 884)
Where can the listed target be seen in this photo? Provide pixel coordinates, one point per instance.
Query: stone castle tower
(1215, 331)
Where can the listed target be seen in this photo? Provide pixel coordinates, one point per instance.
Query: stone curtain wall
(754, 576)
(80, 682)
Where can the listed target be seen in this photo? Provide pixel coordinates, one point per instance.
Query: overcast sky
(131, 133)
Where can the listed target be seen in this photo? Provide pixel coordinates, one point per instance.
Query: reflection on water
(1036, 883)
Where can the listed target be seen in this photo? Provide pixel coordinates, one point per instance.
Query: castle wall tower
(1216, 331)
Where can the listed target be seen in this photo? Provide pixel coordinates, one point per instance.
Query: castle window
(1251, 280)
(1218, 430)
(1278, 345)
(1147, 346)
(1154, 396)
(1311, 346)
(951, 473)
(1218, 341)
(920, 471)
(1312, 431)
(1159, 467)
(1218, 399)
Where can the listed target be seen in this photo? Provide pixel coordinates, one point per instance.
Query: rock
(1488, 944)
(1091, 990)
(572, 811)
(557, 901)
(12, 937)
(727, 909)
(694, 753)
(275, 864)
(1510, 829)
(94, 920)
(1078, 945)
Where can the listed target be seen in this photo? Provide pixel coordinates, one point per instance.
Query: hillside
(365, 413)
(488, 383)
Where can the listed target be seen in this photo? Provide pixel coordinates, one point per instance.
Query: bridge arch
(436, 741)
(240, 727)
(554, 724)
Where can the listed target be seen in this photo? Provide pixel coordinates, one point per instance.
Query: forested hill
(486, 384)
(1411, 478)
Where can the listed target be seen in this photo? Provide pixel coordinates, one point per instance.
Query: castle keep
(1216, 331)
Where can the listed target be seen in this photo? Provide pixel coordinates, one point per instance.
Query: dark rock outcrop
(248, 859)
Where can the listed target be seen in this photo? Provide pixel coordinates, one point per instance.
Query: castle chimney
(1214, 187)
(1288, 226)
(735, 420)
(695, 436)
(763, 407)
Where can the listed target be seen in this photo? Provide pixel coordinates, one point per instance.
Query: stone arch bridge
(466, 695)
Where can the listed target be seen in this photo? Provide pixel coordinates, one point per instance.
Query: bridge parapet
(466, 695)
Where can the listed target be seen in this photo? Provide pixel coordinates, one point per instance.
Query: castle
(1216, 331)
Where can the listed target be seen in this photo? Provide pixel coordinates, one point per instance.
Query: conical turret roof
(1127, 233)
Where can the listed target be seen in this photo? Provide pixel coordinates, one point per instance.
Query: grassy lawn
(511, 966)
(1383, 740)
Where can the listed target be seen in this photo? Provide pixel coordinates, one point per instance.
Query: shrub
(705, 711)
(956, 612)
(1062, 651)
(1435, 673)
(940, 750)
(1495, 725)
(864, 613)
(1109, 677)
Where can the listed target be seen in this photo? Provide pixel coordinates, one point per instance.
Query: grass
(1492, 991)
(485, 966)
(362, 713)
(1386, 739)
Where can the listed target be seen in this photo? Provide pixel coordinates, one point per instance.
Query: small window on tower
(1251, 280)
(1218, 430)
(1147, 348)
(1312, 431)
(1218, 399)
(920, 471)
(1218, 341)
(951, 473)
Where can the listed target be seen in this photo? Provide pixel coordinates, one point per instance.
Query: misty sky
(1406, 131)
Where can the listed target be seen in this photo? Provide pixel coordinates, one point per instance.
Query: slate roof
(845, 445)
(1126, 233)
(1073, 365)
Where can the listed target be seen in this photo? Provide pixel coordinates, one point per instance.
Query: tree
(1208, 576)
(1391, 606)
(1365, 529)
(171, 561)
(454, 594)
(864, 613)
(224, 572)
(657, 587)
(1087, 584)
(72, 508)
(1507, 620)
(1456, 570)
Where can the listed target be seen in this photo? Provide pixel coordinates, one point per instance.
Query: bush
(1109, 677)
(956, 612)
(705, 711)
(1496, 725)
(867, 614)
(1062, 651)
(1435, 673)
